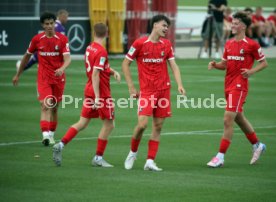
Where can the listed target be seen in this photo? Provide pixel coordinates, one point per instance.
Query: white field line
(200, 132)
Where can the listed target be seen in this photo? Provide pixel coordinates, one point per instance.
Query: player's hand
(211, 65)
(181, 90)
(133, 92)
(246, 73)
(96, 103)
(15, 80)
(59, 71)
(117, 76)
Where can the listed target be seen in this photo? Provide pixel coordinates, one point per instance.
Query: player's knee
(158, 126)
(142, 125)
(44, 107)
(227, 121)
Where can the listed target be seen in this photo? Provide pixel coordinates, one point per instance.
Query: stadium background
(189, 138)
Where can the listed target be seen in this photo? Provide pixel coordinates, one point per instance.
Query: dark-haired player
(54, 57)
(152, 54)
(238, 59)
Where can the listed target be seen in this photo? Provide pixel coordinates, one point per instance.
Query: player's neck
(99, 40)
(154, 37)
(240, 36)
(50, 34)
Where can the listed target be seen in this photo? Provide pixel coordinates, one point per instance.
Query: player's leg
(46, 102)
(218, 160)
(153, 144)
(246, 127)
(45, 115)
(106, 130)
(69, 135)
(57, 90)
(135, 141)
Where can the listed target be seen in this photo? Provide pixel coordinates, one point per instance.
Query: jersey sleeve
(224, 56)
(134, 50)
(33, 45)
(171, 52)
(66, 48)
(100, 60)
(258, 52)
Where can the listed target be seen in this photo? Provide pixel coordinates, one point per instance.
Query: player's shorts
(46, 90)
(156, 104)
(235, 100)
(105, 111)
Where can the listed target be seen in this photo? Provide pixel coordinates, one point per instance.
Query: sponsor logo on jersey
(153, 60)
(56, 47)
(131, 50)
(49, 53)
(238, 58)
(102, 60)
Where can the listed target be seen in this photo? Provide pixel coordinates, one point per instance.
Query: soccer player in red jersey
(238, 59)
(152, 54)
(98, 101)
(54, 57)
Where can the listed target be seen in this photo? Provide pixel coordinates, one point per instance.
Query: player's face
(237, 26)
(161, 28)
(49, 26)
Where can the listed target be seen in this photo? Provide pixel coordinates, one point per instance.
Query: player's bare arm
(126, 70)
(96, 85)
(177, 76)
(67, 61)
(23, 63)
(116, 75)
(220, 65)
(246, 73)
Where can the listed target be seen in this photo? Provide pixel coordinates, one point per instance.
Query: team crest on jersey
(56, 47)
(162, 53)
(102, 60)
(242, 51)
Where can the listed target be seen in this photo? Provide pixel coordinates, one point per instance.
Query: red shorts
(105, 111)
(235, 100)
(46, 90)
(156, 104)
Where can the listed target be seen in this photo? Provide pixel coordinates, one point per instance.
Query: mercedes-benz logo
(76, 37)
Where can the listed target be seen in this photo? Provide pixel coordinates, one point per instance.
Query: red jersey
(256, 18)
(96, 58)
(240, 54)
(272, 18)
(50, 53)
(151, 60)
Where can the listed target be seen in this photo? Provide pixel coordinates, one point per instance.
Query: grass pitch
(189, 139)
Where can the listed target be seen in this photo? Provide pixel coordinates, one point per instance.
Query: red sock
(152, 149)
(101, 147)
(44, 126)
(135, 144)
(224, 144)
(252, 137)
(70, 134)
(52, 125)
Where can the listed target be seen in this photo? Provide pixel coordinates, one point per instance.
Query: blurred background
(127, 20)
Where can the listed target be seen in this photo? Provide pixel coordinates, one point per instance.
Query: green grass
(232, 3)
(183, 152)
